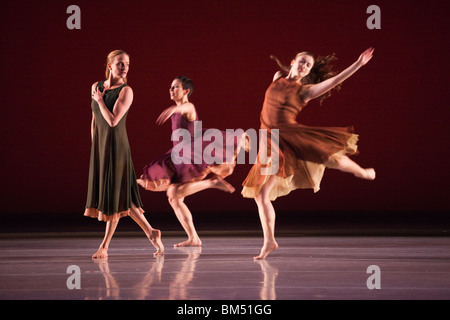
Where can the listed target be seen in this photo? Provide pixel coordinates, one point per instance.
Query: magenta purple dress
(162, 172)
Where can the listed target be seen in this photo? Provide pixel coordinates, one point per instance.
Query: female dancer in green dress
(113, 191)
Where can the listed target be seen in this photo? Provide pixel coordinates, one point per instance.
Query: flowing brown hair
(321, 70)
(110, 59)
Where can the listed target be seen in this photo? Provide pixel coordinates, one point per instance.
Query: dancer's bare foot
(267, 248)
(223, 185)
(155, 239)
(189, 243)
(102, 253)
(370, 174)
(367, 174)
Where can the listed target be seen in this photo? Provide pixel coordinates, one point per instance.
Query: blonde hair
(110, 59)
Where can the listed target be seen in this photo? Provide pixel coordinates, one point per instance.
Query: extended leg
(154, 235)
(345, 164)
(187, 189)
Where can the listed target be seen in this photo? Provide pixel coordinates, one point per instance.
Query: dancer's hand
(365, 56)
(97, 95)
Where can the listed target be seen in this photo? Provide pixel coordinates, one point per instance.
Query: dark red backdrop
(398, 103)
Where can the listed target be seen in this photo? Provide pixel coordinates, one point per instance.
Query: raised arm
(186, 109)
(123, 103)
(316, 90)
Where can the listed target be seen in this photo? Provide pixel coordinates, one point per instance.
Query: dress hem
(95, 213)
(314, 171)
(222, 170)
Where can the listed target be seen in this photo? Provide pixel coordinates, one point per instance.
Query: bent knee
(261, 198)
(175, 202)
(223, 170)
(172, 192)
(173, 197)
(335, 161)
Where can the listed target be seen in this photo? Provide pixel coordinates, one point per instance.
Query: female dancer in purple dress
(304, 152)
(112, 189)
(185, 178)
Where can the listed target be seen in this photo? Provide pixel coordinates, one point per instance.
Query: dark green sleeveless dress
(112, 187)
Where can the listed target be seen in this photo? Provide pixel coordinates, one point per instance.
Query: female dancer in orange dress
(303, 152)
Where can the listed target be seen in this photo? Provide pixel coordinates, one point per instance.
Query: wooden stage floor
(303, 268)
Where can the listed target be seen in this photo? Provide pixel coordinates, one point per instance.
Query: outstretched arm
(186, 109)
(316, 90)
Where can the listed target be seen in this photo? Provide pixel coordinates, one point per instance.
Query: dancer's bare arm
(316, 90)
(186, 109)
(122, 105)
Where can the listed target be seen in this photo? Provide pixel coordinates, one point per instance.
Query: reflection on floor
(223, 269)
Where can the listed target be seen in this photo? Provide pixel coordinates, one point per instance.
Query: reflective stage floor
(303, 268)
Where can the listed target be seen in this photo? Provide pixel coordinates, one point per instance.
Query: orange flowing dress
(302, 152)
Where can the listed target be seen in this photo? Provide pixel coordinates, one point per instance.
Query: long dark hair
(321, 70)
